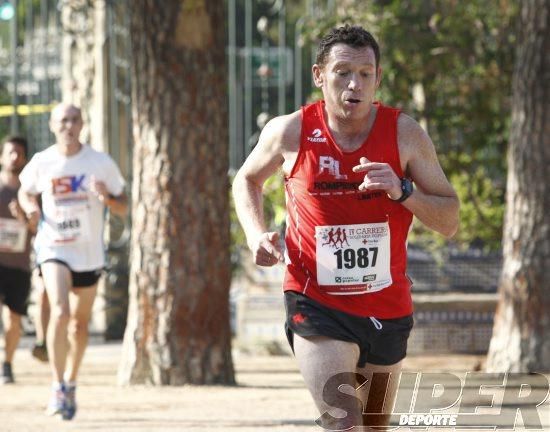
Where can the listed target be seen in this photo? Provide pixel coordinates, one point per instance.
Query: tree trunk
(83, 73)
(521, 334)
(178, 321)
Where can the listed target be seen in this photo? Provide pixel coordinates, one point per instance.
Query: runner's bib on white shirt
(13, 235)
(353, 259)
(69, 224)
(71, 229)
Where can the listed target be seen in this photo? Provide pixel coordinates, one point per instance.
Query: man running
(349, 164)
(15, 237)
(76, 184)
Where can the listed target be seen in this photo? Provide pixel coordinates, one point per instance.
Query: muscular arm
(434, 201)
(276, 144)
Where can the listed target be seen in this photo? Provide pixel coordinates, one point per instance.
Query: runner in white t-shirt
(76, 184)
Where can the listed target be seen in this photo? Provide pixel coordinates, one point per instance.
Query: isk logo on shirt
(317, 136)
(68, 184)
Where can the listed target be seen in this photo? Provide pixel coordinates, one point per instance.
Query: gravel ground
(270, 396)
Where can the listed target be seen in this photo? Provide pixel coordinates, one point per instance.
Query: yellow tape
(24, 110)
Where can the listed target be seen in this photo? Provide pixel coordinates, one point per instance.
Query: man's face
(66, 124)
(348, 80)
(13, 157)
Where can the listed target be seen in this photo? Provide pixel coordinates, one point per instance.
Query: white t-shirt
(71, 228)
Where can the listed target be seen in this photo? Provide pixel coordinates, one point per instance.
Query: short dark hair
(354, 36)
(19, 140)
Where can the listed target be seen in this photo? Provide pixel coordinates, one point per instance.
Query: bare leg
(379, 398)
(12, 332)
(81, 301)
(58, 282)
(328, 367)
(43, 312)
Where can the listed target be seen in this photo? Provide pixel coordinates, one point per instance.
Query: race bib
(353, 259)
(69, 224)
(13, 236)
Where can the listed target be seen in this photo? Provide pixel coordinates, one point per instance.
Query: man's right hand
(266, 250)
(33, 217)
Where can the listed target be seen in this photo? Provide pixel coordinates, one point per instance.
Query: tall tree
(178, 322)
(521, 334)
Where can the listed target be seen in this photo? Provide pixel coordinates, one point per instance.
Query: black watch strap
(406, 189)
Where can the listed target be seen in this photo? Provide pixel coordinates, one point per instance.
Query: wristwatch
(407, 189)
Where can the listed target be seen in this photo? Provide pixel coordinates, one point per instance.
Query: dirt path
(270, 397)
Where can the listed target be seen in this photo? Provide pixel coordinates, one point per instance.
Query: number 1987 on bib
(349, 258)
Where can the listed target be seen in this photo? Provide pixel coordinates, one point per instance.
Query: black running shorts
(15, 285)
(84, 279)
(380, 341)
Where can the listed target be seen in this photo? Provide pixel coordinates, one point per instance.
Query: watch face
(407, 186)
(407, 189)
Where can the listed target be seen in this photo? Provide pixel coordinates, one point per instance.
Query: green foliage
(274, 215)
(274, 202)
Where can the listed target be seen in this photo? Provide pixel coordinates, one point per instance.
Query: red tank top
(346, 248)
